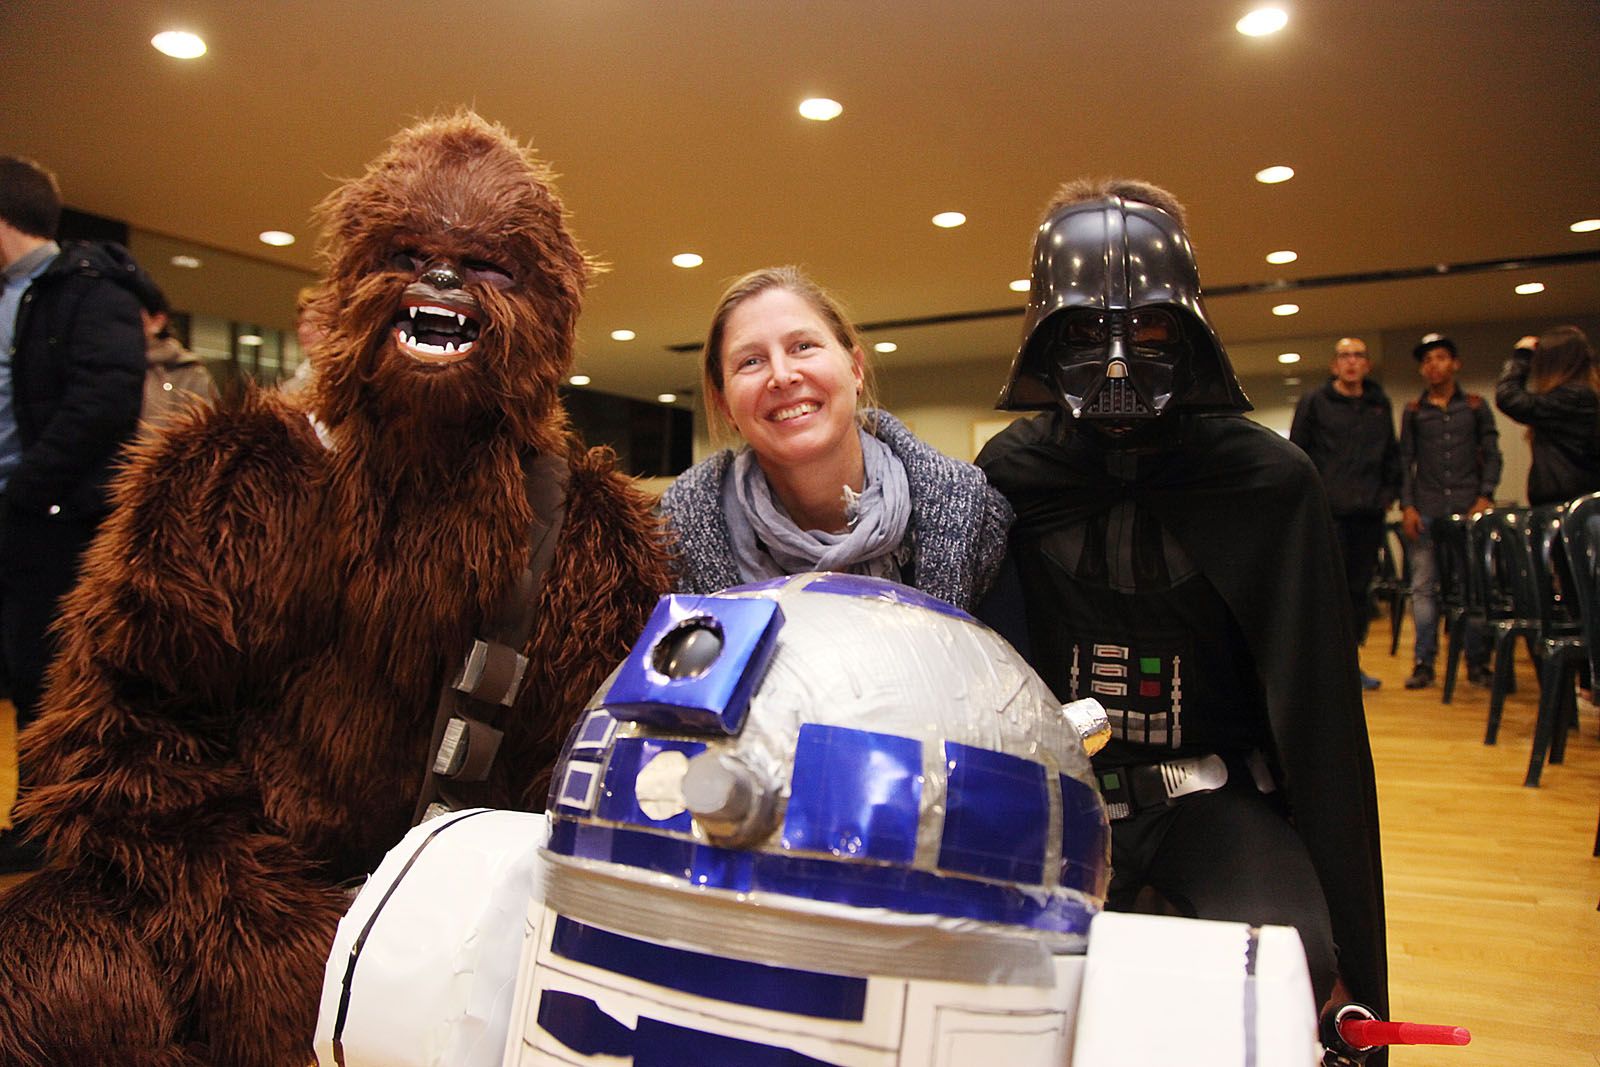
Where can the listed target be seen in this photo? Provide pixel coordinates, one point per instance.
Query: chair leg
(1397, 610)
(1566, 711)
(1504, 653)
(1544, 727)
(1458, 631)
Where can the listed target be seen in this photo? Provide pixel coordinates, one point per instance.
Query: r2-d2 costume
(823, 820)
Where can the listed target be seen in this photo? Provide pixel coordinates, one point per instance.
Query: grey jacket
(957, 529)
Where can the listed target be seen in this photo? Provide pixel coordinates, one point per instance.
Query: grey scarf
(768, 544)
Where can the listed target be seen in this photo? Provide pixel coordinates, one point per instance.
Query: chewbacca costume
(240, 716)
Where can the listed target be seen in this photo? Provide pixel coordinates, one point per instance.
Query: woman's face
(788, 384)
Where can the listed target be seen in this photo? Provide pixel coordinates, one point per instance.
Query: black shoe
(1479, 675)
(19, 854)
(1421, 677)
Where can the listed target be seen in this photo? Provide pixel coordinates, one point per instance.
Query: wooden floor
(1492, 888)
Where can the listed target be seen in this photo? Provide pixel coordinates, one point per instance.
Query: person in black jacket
(1347, 428)
(71, 380)
(1551, 384)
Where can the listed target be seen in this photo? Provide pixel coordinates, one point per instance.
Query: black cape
(1250, 511)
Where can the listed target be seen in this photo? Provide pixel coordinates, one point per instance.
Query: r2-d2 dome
(792, 803)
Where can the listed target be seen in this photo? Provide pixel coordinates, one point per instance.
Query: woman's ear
(858, 367)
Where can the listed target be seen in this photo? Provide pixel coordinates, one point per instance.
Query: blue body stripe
(579, 1023)
(757, 985)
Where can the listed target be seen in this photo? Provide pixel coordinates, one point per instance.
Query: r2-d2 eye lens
(689, 650)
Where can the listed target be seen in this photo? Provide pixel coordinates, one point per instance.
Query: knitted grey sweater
(957, 529)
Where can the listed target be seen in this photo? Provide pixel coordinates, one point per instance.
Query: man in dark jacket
(1177, 562)
(71, 376)
(1347, 428)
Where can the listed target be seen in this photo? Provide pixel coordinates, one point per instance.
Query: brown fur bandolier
(240, 717)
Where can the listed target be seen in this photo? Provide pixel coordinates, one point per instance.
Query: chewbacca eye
(406, 260)
(487, 273)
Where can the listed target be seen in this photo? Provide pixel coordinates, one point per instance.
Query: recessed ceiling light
(1529, 288)
(1274, 175)
(668, 398)
(579, 379)
(1283, 256)
(179, 44)
(1288, 357)
(623, 335)
(949, 220)
(1585, 226)
(186, 262)
(250, 339)
(1291, 380)
(276, 237)
(1262, 21)
(1286, 309)
(1021, 285)
(885, 346)
(821, 109)
(687, 260)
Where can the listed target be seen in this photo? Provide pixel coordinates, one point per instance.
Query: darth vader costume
(1178, 562)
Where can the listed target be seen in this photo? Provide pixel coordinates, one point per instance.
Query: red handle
(1368, 1033)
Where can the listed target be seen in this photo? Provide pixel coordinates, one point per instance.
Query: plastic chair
(1580, 532)
(1391, 586)
(1525, 544)
(1461, 596)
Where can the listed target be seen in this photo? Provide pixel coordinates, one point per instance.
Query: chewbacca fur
(239, 718)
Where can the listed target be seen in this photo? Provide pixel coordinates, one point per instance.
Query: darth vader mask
(1115, 329)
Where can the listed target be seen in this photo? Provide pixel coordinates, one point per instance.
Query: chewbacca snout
(443, 276)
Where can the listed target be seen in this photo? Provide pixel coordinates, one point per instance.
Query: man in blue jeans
(1450, 463)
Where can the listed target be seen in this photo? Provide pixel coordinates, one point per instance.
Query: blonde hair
(754, 284)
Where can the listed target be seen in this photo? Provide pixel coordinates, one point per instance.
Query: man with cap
(71, 363)
(1178, 563)
(1449, 463)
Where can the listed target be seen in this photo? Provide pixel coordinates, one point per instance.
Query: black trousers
(1231, 855)
(1360, 538)
(38, 566)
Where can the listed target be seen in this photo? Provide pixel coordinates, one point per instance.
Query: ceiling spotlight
(1021, 285)
(1288, 357)
(251, 339)
(1284, 256)
(949, 220)
(1274, 175)
(179, 44)
(623, 335)
(579, 379)
(1286, 309)
(186, 262)
(821, 109)
(276, 237)
(687, 260)
(1585, 226)
(1291, 380)
(1529, 288)
(668, 398)
(1262, 21)
(885, 346)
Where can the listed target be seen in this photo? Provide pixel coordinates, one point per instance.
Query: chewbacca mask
(240, 716)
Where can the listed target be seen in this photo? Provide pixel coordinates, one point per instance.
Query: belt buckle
(1197, 774)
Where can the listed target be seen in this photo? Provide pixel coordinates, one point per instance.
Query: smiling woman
(824, 481)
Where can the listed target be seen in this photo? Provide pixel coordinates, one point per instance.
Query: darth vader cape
(1248, 508)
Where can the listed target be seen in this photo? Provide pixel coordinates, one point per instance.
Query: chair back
(1459, 588)
(1504, 565)
(1580, 532)
(1552, 571)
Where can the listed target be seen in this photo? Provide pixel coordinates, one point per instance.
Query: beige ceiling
(1421, 131)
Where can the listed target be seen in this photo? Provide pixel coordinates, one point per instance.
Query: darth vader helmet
(1115, 328)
